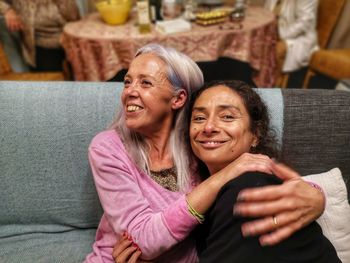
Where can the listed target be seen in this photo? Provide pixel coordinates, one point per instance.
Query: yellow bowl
(114, 12)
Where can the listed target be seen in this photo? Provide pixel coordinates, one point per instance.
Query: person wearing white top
(297, 29)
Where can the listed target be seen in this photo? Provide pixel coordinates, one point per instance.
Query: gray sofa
(49, 209)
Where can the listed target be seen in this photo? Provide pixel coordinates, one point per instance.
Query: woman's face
(147, 95)
(220, 127)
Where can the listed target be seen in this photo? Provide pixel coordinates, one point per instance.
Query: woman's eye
(227, 117)
(146, 82)
(127, 81)
(198, 118)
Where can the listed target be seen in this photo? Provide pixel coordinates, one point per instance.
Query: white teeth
(133, 108)
(212, 143)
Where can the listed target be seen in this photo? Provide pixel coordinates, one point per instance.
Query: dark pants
(49, 59)
(226, 69)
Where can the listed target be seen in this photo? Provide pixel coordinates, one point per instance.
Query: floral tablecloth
(97, 51)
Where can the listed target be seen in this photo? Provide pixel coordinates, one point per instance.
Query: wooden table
(98, 51)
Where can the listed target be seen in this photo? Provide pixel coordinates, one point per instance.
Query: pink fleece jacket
(157, 219)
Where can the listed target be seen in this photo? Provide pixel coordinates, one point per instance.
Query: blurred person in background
(10, 42)
(40, 24)
(296, 31)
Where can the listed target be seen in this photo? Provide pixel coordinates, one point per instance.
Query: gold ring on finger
(274, 218)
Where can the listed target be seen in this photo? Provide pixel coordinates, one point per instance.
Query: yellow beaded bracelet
(200, 218)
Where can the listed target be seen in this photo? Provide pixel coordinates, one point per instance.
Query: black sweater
(220, 238)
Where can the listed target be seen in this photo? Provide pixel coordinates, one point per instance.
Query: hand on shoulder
(283, 209)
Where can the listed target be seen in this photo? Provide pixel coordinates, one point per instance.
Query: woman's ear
(179, 100)
(255, 141)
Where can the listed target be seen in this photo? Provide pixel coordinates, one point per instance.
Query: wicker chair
(6, 72)
(334, 63)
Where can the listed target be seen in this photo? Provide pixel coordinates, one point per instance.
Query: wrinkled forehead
(149, 62)
(220, 95)
(151, 67)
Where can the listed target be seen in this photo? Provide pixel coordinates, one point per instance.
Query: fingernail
(236, 210)
(124, 234)
(136, 246)
(240, 197)
(246, 233)
(263, 242)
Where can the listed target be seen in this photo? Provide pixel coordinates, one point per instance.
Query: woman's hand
(126, 251)
(283, 209)
(13, 21)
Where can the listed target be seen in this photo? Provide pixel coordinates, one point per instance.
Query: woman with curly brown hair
(230, 122)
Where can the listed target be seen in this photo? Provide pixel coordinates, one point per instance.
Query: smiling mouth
(211, 144)
(133, 108)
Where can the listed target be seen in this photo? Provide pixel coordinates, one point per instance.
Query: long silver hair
(182, 73)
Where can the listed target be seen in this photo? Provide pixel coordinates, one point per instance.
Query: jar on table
(171, 9)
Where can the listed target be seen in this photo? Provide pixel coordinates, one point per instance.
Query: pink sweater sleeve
(118, 185)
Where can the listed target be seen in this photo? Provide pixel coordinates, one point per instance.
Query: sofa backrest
(316, 133)
(314, 130)
(45, 179)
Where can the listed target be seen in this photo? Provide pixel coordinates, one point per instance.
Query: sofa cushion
(63, 247)
(46, 183)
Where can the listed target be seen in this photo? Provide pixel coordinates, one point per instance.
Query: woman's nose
(132, 89)
(210, 126)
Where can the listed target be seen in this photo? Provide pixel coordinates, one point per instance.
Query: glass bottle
(190, 7)
(156, 6)
(170, 9)
(144, 18)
